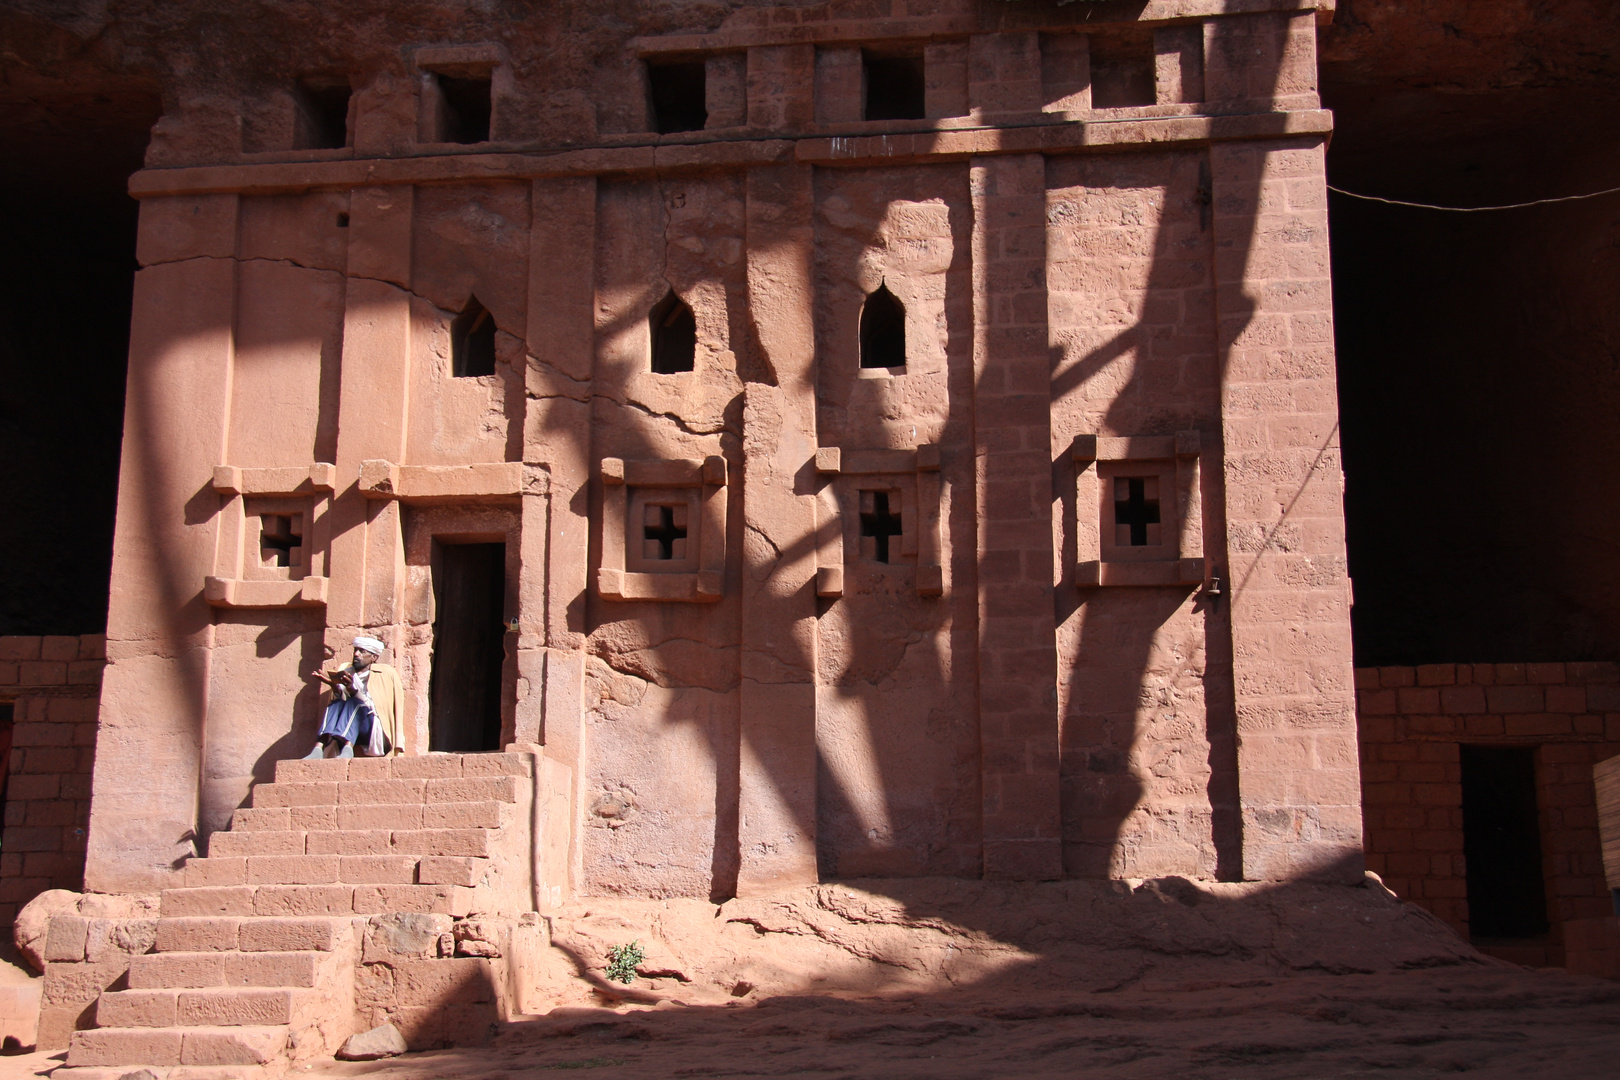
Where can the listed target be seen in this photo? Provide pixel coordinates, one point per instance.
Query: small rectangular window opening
(464, 107)
(322, 120)
(1122, 70)
(679, 94)
(1507, 895)
(880, 524)
(895, 88)
(472, 342)
(663, 532)
(281, 539)
(1136, 511)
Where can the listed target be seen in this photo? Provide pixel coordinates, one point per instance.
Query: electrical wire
(1472, 209)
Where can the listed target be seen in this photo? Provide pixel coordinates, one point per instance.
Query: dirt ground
(981, 981)
(1484, 1022)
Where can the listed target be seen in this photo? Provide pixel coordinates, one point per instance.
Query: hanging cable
(1472, 209)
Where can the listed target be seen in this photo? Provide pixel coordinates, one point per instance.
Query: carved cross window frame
(240, 578)
(1172, 460)
(913, 473)
(628, 488)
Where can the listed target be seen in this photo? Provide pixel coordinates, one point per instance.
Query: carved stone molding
(917, 474)
(1139, 515)
(274, 537)
(663, 530)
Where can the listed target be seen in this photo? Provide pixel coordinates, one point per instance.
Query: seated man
(364, 716)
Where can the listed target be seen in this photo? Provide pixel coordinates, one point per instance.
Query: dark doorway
(1507, 896)
(464, 695)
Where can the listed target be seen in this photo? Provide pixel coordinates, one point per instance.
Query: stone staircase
(257, 950)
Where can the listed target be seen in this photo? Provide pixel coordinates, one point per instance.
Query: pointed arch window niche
(883, 330)
(472, 342)
(673, 330)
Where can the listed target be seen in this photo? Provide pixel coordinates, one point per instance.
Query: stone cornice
(946, 144)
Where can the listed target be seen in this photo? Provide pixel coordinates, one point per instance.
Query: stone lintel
(381, 479)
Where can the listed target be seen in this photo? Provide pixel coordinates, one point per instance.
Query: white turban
(370, 645)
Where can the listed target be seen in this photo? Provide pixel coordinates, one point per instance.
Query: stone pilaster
(553, 580)
(154, 699)
(1298, 776)
(368, 551)
(777, 782)
(1012, 451)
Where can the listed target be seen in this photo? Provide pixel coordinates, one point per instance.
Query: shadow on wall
(1103, 742)
(1115, 753)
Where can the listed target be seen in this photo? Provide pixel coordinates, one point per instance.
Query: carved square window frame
(628, 487)
(1173, 460)
(844, 474)
(240, 578)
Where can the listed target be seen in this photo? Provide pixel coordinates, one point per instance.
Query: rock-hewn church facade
(843, 444)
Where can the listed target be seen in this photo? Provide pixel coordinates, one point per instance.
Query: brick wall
(1412, 721)
(53, 685)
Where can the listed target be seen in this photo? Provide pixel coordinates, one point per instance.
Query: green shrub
(623, 961)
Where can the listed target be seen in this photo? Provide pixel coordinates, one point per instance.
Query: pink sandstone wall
(1412, 721)
(51, 684)
(999, 715)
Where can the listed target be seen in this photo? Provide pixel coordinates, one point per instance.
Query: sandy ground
(1483, 1023)
(1158, 980)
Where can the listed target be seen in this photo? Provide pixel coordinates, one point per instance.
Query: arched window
(674, 335)
(472, 341)
(883, 330)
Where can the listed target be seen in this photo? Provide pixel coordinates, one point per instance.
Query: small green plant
(623, 961)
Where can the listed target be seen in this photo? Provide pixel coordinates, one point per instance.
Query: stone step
(219, 1006)
(409, 767)
(183, 970)
(350, 817)
(294, 901)
(172, 1046)
(501, 788)
(224, 846)
(360, 869)
(230, 934)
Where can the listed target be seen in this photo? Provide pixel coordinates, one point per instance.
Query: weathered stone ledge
(261, 178)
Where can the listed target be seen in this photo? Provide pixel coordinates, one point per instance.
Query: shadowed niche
(883, 330)
(472, 341)
(674, 335)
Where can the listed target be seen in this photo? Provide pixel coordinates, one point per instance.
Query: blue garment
(350, 720)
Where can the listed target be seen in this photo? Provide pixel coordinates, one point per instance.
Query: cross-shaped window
(878, 523)
(663, 532)
(1136, 511)
(280, 539)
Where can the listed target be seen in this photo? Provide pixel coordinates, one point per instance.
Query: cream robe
(387, 693)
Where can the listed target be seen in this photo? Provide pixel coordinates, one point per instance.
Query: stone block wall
(52, 685)
(1413, 722)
